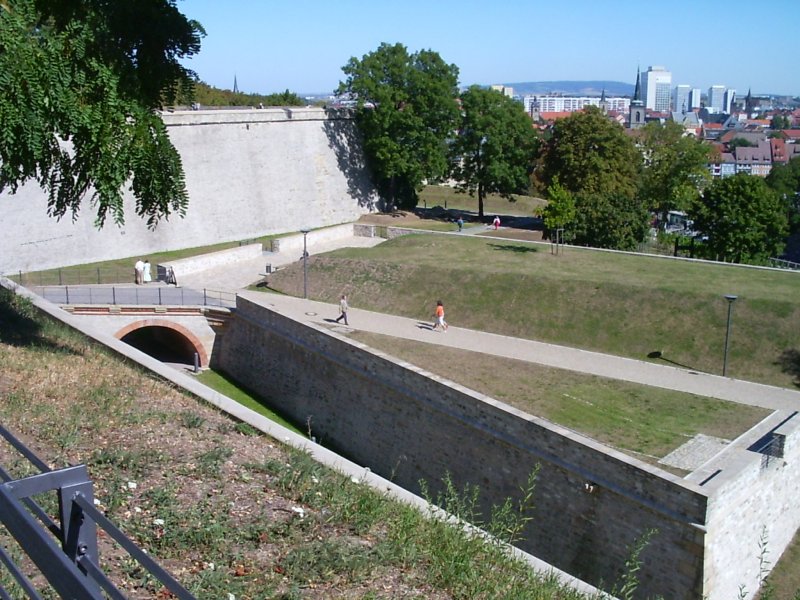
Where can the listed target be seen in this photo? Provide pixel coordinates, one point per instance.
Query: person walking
(460, 223)
(147, 277)
(496, 223)
(343, 309)
(439, 314)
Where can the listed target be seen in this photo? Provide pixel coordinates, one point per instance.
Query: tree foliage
(590, 155)
(616, 221)
(675, 167)
(740, 142)
(406, 111)
(81, 81)
(207, 95)
(743, 219)
(494, 149)
(560, 209)
(785, 180)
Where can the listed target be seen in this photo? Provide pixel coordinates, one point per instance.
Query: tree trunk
(480, 201)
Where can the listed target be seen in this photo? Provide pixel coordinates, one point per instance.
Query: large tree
(406, 111)
(675, 167)
(612, 220)
(590, 154)
(494, 149)
(81, 80)
(744, 220)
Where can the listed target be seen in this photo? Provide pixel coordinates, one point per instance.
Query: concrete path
(583, 361)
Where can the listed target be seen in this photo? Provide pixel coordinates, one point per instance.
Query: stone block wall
(249, 173)
(591, 503)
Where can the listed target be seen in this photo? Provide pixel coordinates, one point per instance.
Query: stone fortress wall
(249, 173)
(592, 503)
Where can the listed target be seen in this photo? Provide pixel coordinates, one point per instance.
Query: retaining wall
(591, 503)
(249, 173)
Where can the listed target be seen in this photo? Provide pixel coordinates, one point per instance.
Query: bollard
(196, 362)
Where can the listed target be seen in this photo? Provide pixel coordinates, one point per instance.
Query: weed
(633, 564)
(191, 420)
(245, 428)
(323, 560)
(210, 462)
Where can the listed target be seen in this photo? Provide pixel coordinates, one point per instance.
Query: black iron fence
(156, 295)
(72, 276)
(65, 550)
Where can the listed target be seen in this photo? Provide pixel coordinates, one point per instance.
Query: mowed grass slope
(629, 305)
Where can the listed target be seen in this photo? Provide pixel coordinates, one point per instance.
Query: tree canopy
(785, 180)
(744, 220)
(494, 149)
(590, 155)
(81, 80)
(675, 167)
(406, 111)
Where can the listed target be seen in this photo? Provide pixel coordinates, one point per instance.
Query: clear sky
(301, 45)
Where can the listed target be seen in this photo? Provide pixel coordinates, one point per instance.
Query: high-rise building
(716, 98)
(728, 99)
(506, 91)
(681, 102)
(695, 98)
(657, 88)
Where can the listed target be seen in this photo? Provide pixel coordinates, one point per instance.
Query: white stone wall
(248, 173)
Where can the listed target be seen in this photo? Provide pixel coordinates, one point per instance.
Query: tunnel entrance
(164, 344)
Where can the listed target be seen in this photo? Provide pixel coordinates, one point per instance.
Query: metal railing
(72, 276)
(783, 264)
(65, 553)
(135, 295)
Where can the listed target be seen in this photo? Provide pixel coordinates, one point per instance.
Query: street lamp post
(305, 261)
(731, 299)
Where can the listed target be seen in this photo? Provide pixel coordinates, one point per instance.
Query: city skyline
(303, 46)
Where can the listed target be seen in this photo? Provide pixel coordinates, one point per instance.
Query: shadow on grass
(513, 248)
(22, 326)
(656, 354)
(789, 362)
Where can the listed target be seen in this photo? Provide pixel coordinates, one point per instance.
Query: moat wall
(249, 173)
(591, 503)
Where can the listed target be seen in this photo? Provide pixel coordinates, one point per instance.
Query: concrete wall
(591, 503)
(753, 512)
(248, 173)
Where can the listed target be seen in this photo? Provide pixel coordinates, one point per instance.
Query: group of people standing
(142, 272)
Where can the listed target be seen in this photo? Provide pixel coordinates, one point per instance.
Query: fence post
(60, 281)
(114, 295)
(205, 302)
(98, 275)
(67, 290)
(159, 296)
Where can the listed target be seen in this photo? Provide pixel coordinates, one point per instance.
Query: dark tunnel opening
(162, 343)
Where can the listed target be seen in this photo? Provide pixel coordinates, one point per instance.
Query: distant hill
(572, 88)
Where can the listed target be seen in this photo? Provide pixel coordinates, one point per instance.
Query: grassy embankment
(230, 512)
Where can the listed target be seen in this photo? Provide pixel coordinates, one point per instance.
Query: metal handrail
(136, 296)
(73, 570)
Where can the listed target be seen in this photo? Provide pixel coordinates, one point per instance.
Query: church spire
(637, 92)
(235, 85)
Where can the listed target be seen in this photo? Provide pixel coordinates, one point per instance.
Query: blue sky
(301, 45)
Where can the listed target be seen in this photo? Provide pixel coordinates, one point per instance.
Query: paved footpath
(594, 363)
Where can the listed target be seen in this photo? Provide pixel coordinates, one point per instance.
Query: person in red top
(440, 322)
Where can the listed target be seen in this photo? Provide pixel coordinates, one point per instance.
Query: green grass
(628, 305)
(225, 385)
(447, 197)
(645, 421)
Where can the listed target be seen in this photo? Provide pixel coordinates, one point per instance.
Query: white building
(695, 98)
(681, 102)
(657, 89)
(728, 99)
(716, 98)
(571, 103)
(506, 91)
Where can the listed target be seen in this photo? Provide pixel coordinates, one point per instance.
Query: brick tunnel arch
(164, 340)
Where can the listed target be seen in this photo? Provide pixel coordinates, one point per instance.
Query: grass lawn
(225, 385)
(447, 197)
(644, 421)
(628, 305)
